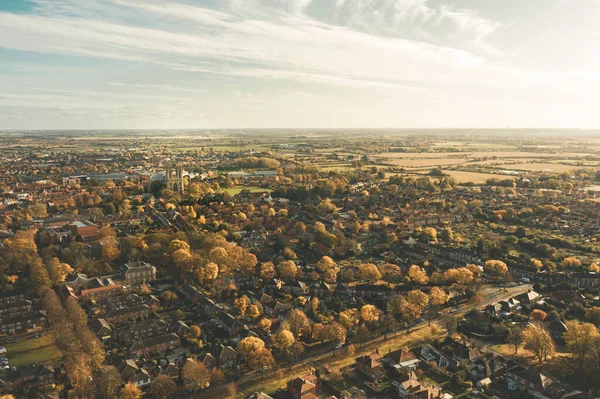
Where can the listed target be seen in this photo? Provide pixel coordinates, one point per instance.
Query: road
(318, 357)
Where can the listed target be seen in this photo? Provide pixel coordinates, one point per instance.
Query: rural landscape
(300, 264)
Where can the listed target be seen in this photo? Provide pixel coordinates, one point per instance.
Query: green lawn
(233, 191)
(33, 350)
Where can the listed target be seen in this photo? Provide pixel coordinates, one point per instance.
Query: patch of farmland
(475, 177)
(543, 167)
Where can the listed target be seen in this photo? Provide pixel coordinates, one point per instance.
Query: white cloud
(384, 52)
(466, 21)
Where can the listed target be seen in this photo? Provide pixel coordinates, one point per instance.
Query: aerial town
(299, 265)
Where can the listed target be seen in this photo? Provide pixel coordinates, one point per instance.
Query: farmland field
(416, 163)
(543, 167)
(477, 178)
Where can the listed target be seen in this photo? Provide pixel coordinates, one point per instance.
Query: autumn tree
(265, 325)
(449, 322)
(254, 352)
(328, 268)
(417, 298)
(196, 374)
(349, 318)
(369, 272)
(253, 311)
(583, 340)
(267, 270)
(337, 332)
(110, 249)
(495, 267)
(370, 314)
(195, 331)
(287, 270)
(283, 341)
(299, 323)
(570, 262)
(437, 298)
(538, 315)
(593, 315)
(57, 270)
(162, 387)
(241, 304)
(515, 337)
(417, 275)
(409, 312)
(538, 340)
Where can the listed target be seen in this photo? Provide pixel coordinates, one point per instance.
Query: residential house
(23, 322)
(180, 328)
(528, 298)
(432, 355)
(371, 366)
(295, 288)
(12, 296)
(100, 328)
(229, 323)
(409, 387)
(403, 361)
(27, 378)
(132, 313)
(521, 378)
(369, 291)
(274, 308)
(511, 305)
(159, 343)
(192, 293)
(135, 273)
(321, 289)
(306, 387)
(11, 308)
(260, 395)
(131, 372)
(225, 356)
(209, 361)
(478, 321)
(142, 330)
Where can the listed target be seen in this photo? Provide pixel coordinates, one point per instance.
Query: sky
(206, 64)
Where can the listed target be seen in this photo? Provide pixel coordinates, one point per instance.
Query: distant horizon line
(296, 128)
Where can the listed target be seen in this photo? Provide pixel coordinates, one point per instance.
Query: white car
(2, 350)
(4, 367)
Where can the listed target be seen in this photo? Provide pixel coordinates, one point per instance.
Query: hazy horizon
(299, 64)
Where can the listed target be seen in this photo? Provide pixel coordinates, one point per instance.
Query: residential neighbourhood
(213, 274)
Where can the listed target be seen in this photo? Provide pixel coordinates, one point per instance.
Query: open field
(543, 167)
(483, 154)
(415, 163)
(233, 191)
(33, 350)
(477, 178)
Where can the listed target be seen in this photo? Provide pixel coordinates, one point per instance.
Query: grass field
(477, 178)
(433, 162)
(233, 191)
(33, 350)
(543, 167)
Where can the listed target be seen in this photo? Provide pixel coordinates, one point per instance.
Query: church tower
(169, 176)
(178, 179)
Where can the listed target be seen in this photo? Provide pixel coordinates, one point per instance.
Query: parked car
(452, 311)
(327, 369)
(338, 346)
(2, 350)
